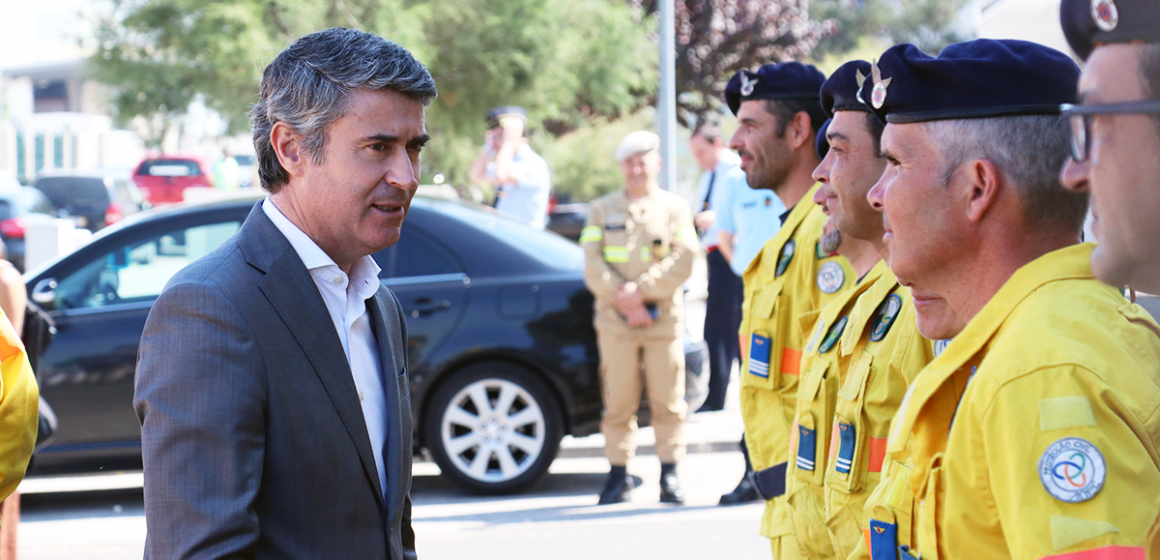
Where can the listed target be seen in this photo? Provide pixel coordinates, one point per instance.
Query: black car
(18, 205)
(500, 327)
(92, 199)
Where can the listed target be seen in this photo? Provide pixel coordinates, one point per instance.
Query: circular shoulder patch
(831, 277)
(884, 317)
(1072, 470)
(833, 336)
(940, 346)
(786, 255)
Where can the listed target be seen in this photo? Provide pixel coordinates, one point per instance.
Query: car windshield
(65, 191)
(169, 168)
(544, 246)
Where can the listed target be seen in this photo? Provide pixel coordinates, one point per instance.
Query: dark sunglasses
(1080, 119)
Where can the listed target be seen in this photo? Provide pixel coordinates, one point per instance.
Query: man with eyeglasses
(1115, 143)
(1116, 134)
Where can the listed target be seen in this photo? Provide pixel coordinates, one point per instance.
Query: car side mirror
(44, 293)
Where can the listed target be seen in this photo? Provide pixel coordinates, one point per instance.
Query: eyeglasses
(1080, 119)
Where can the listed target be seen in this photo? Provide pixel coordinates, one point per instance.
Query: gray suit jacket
(252, 434)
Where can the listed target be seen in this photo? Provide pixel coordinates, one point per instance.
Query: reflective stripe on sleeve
(616, 254)
(687, 235)
(591, 233)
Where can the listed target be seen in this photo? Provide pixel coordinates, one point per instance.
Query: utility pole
(667, 97)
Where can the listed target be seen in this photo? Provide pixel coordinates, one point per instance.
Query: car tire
(493, 428)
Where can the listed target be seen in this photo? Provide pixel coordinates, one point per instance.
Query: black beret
(842, 89)
(1090, 23)
(787, 80)
(494, 114)
(975, 79)
(821, 144)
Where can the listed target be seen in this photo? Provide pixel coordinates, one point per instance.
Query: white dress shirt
(346, 300)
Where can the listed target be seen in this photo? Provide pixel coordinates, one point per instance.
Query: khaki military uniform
(863, 353)
(785, 287)
(1036, 434)
(649, 241)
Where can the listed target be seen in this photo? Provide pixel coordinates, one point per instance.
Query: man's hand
(704, 220)
(512, 128)
(628, 298)
(639, 317)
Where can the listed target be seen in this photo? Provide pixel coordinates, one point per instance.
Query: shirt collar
(313, 257)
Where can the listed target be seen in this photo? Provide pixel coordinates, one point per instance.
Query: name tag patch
(1072, 470)
(759, 347)
(807, 448)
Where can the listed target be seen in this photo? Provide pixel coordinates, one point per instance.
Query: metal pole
(667, 97)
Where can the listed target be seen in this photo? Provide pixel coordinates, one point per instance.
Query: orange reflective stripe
(834, 440)
(877, 453)
(10, 344)
(793, 439)
(1102, 553)
(866, 535)
(743, 345)
(791, 361)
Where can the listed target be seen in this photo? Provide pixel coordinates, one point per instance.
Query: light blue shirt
(727, 163)
(753, 217)
(527, 199)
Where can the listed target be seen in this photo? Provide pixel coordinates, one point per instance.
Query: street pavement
(101, 517)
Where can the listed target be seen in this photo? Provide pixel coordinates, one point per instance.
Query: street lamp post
(667, 97)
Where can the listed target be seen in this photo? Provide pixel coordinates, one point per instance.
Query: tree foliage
(925, 23)
(564, 60)
(716, 38)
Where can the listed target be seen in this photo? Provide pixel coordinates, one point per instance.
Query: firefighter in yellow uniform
(19, 401)
(789, 280)
(639, 247)
(1035, 434)
(865, 348)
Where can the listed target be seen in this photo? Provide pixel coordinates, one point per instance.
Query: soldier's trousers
(622, 356)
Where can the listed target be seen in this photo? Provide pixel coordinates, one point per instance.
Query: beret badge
(1105, 14)
(861, 79)
(747, 84)
(878, 95)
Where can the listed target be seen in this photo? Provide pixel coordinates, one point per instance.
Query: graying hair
(310, 84)
(1029, 150)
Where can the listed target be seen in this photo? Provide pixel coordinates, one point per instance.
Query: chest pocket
(850, 451)
(807, 458)
(764, 353)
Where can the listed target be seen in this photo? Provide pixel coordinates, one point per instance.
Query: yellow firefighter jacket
(19, 402)
(1035, 434)
(785, 287)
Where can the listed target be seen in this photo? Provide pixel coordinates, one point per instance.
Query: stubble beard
(831, 241)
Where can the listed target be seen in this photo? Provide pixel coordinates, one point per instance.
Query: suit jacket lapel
(291, 291)
(385, 324)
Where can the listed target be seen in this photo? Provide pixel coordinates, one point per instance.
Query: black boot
(745, 492)
(671, 492)
(618, 488)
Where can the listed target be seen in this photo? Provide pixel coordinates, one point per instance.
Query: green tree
(925, 23)
(566, 61)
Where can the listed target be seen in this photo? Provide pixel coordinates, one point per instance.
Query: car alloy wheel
(494, 431)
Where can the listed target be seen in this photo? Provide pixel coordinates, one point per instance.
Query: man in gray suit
(271, 385)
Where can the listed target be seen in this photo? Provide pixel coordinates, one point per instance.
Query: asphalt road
(101, 517)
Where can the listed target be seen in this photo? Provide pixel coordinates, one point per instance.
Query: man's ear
(289, 148)
(800, 130)
(985, 181)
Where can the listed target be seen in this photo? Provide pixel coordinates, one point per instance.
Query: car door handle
(427, 306)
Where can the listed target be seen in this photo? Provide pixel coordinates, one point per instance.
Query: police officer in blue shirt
(745, 221)
(520, 176)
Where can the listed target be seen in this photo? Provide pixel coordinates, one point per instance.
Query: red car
(163, 179)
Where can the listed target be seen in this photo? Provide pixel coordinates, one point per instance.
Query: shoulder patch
(818, 251)
(784, 257)
(884, 317)
(1072, 470)
(833, 336)
(940, 346)
(831, 277)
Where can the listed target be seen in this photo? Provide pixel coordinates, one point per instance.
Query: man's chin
(1115, 269)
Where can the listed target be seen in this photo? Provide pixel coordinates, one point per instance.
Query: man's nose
(1074, 176)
